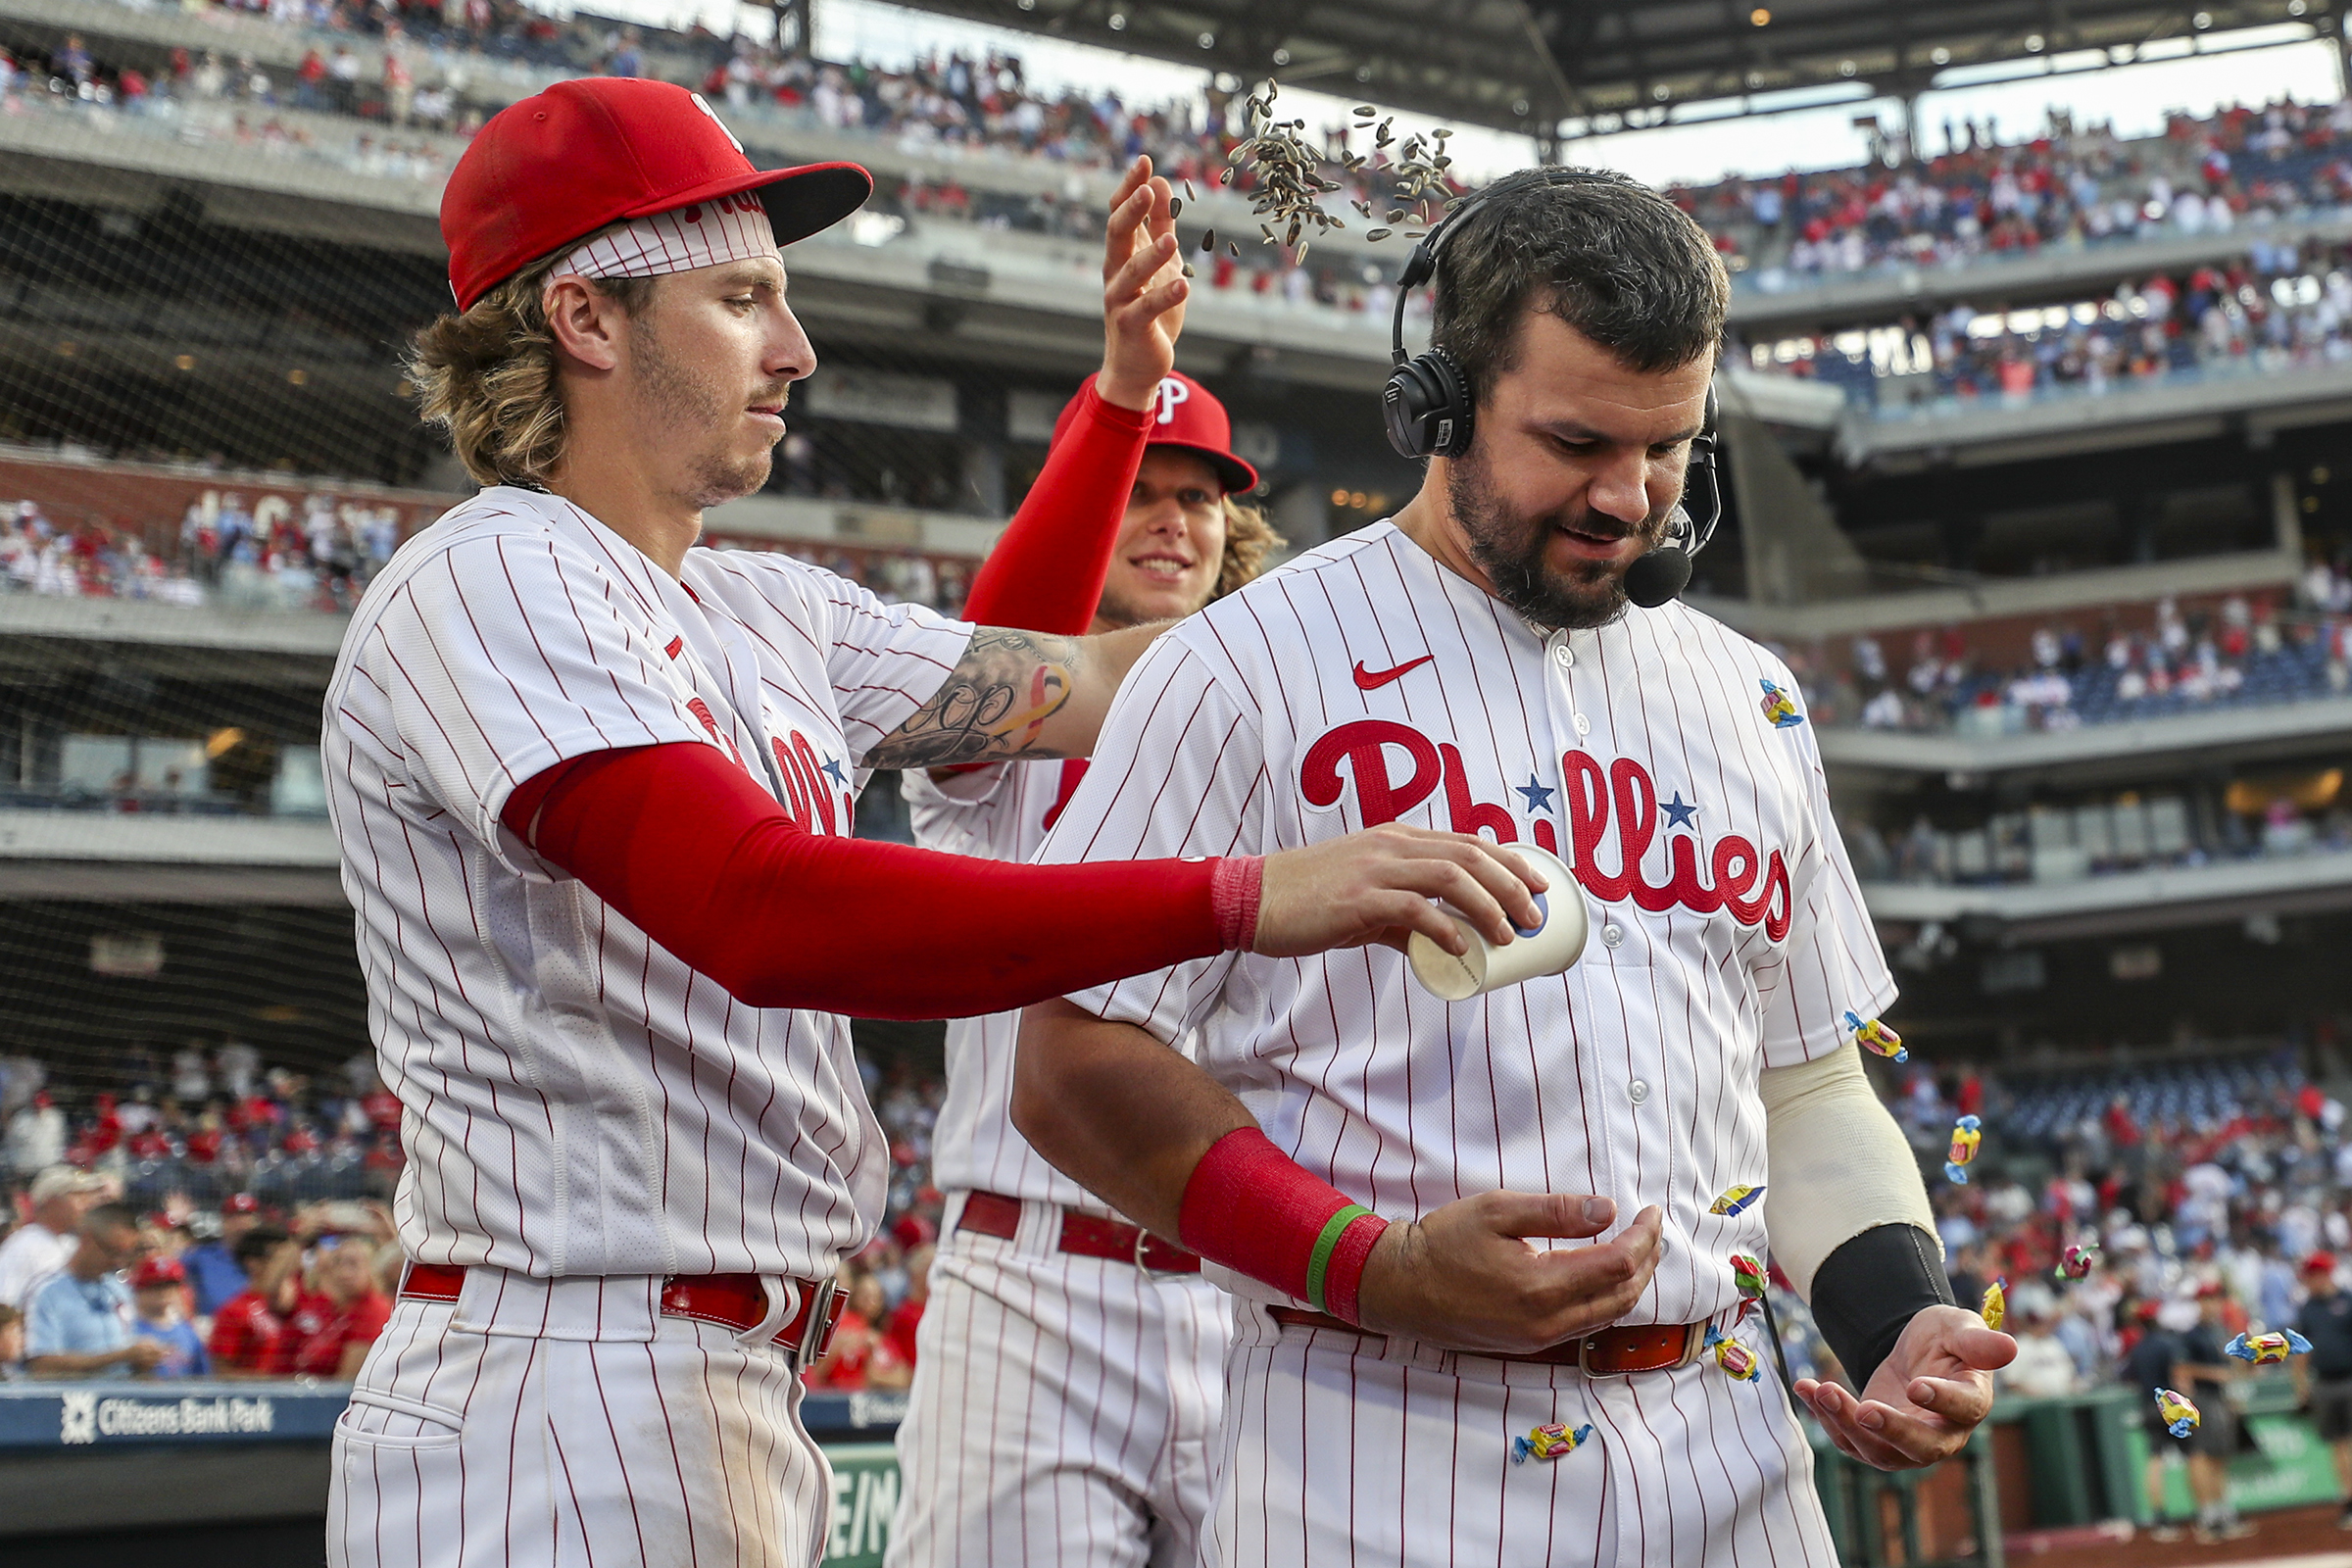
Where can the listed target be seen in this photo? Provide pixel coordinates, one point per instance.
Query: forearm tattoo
(1008, 684)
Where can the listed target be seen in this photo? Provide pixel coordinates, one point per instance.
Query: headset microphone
(1427, 410)
(1658, 577)
(1664, 573)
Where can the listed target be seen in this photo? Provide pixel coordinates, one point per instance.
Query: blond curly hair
(487, 376)
(1248, 539)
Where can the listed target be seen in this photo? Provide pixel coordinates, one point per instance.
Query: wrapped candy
(1780, 707)
(1550, 1443)
(1735, 1199)
(1967, 1132)
(1735, 1357)
(2264, 1348)
(2179, 1416)
(1996, 1309)
(1876, 1038)
(2076, 1262)
(1748, 1275)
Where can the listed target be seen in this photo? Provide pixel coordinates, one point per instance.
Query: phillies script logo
(808, 801)
(1744, 882)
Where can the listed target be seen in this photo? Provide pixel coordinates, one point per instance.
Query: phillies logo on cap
(703, 104)
(1171, 393)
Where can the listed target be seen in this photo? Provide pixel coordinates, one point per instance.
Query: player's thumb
(1549, 1214)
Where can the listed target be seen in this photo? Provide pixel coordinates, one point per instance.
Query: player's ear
(586, 324)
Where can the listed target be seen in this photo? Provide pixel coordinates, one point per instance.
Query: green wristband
(1320, 1259)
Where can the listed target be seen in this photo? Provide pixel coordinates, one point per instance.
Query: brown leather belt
(1083, 1235)
(737, 1302)
(1610, 1352)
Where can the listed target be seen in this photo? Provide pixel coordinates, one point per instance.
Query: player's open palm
(1376, 886)
(1465, 1276)
(1144, 289)
(1924, 1399)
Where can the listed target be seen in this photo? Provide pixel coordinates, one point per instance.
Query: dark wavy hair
(1605, 254)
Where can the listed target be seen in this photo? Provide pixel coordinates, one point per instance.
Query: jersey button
(1638, 1090)
(1584, 725)
(1612, 935)
(1565, 655)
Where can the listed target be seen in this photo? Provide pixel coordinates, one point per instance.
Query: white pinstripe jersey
(1002, 814)
(576, 1100)
(1364, 683)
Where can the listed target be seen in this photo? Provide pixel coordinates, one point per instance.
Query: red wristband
(1252, 1208)
(1234, 893)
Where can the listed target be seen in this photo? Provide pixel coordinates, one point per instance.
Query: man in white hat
(61, 1194)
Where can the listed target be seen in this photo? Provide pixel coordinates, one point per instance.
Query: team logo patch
(1780, 707)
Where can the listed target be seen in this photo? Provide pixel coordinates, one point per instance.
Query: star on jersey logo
(1678, 814)
(1539, 796)
(833, 770)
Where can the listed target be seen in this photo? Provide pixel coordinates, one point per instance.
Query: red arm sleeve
(1046, 573)
(686, 847)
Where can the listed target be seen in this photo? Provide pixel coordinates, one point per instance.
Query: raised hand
(1144, 290)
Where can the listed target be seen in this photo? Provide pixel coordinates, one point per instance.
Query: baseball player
(593, 787)
(1486, 1250)
(1071, 1378)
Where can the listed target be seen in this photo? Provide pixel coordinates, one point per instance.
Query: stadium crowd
(2245, 650)
(2241, 168)
(2213, 1189)
(212, 1215)
(234, 552)
(2238, 171)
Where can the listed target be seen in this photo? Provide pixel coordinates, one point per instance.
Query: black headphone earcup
(1426, 408)
(1658, 577)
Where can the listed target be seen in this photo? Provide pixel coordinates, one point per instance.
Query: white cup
(1548, 949)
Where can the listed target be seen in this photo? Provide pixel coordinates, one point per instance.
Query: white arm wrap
(1839, 1163)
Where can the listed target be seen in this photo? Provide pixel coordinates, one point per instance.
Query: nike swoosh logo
(1371, 680)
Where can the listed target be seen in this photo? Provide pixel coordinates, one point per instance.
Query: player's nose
(1621, 488)
(788, 354)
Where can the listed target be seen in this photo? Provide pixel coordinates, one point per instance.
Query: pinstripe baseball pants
(1064, 1411)
(1341, 1449)
(567, 1426)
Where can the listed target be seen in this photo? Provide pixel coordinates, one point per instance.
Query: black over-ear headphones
(1428, 411)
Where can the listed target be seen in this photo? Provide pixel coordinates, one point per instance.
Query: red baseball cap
(240, 1203)
(157, 1271)
(2320, 1263)
(561, 165)
(1187, 415)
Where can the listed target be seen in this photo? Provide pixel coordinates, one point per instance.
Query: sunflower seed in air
(1377, 233)
(1208, 241)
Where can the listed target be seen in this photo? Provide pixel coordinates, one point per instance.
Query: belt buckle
(1584, 1359)
(816, 1327)
(1695, 1342)
(1143, 1239)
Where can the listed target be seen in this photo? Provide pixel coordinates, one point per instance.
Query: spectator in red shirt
(908, 1315)
(862, 1355)
(357, 1310)
(249, 1332)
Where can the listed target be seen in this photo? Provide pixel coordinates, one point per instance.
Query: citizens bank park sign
(50, 1416)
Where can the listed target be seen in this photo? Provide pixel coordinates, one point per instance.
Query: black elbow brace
(1867, 1290)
